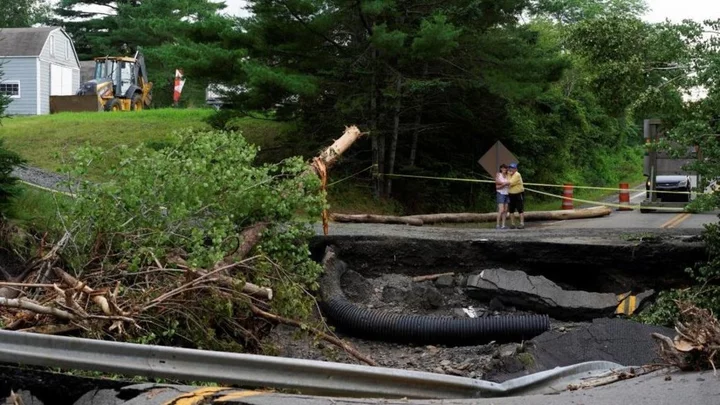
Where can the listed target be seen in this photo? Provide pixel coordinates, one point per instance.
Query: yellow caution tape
(411, 176)
(47, 189)
(600, 203)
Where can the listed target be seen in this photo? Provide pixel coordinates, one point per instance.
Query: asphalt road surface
(636, 219)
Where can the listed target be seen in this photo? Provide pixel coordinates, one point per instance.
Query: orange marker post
(567, 202)
(624, 197)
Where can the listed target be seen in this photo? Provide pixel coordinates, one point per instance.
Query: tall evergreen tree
(406, 70)
(23, 13)
(171, 33)
(4, 99)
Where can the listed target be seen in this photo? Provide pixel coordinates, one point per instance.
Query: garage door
(61, 81)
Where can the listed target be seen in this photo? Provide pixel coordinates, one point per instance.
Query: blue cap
(513, 165)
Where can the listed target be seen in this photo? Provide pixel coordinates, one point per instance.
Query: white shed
(37, 63)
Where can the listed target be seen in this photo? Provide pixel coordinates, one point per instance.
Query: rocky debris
(21, 397)
(426, 296)
(445, 281)
(541, 295)
(508, 350)
(398, 293)
(356, 287)
(617, 340)
(42, 178)
(99, 396)
(466, 361)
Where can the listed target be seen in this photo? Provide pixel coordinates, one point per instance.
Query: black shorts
(517, 203)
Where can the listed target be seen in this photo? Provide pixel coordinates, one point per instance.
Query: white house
(37, 63)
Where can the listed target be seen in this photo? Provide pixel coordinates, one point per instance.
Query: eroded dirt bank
(381, 267)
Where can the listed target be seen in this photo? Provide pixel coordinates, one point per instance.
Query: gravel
(42, 178)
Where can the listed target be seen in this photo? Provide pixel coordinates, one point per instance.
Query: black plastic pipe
(377, 325)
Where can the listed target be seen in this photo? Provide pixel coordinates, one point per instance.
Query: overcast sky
(678, 10)
(675, 10)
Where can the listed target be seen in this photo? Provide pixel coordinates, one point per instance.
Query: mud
(382, 265)
(603, 262)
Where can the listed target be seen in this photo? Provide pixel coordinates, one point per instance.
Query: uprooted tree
(191, 245)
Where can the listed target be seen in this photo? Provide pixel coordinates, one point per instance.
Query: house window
(10, 89)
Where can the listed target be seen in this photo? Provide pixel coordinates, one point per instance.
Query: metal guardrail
(246, 370)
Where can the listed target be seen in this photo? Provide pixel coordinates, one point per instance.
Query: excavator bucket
(74, 104)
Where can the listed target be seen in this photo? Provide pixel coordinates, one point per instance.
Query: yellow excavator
(120, 83)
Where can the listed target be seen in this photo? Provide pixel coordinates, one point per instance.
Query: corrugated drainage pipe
(376, 325)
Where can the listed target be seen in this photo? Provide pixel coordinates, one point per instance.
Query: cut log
(560, 215)
(376, 219)
(75, 284)
(35, 307)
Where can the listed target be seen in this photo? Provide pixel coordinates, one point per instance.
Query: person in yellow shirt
(517, 196)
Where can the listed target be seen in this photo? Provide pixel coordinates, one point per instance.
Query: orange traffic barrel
(567, 202)
(625, 197)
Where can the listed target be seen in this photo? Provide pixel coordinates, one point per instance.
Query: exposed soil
(398, 293)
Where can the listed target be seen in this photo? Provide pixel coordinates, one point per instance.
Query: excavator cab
(120, 83)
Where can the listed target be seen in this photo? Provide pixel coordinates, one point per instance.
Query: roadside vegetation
(180, 194)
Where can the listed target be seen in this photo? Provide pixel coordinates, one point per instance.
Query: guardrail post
(567, 202)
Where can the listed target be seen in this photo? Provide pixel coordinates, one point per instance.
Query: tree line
(564, 84)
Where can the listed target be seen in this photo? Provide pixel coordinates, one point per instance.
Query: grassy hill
(45, 140)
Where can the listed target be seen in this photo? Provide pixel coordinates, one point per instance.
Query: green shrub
(705, 294)
(195, 196)
(220, 118)
(9, 187)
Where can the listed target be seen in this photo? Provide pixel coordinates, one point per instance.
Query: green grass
(45, 140)
(36, 208)
(353, 198)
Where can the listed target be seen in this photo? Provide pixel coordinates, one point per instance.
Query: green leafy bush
(9, 187)
(193, 198)
(705, 294)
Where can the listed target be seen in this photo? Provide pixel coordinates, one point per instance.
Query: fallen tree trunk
(37, 308)
(376, 219)
(327, 158)
(529, 216)
(330, 155)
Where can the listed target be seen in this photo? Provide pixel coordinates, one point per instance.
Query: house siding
(34, 74)
(58, 50)
(62, 53)
(23, 70)
(44, 87)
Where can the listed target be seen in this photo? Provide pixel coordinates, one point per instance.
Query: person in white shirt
(502, 188)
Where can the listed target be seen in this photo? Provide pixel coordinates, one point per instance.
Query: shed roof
(24, 41)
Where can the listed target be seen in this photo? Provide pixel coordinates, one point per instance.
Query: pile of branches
(168, 251)
(126, 305)
(697, 342)
(49, 299)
